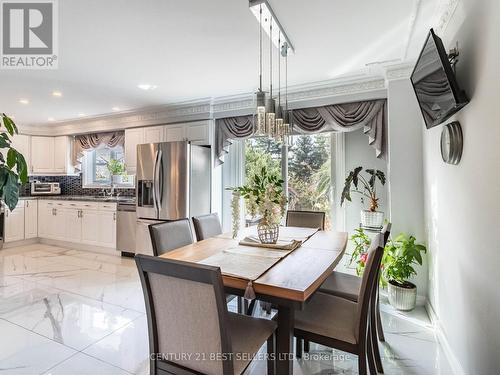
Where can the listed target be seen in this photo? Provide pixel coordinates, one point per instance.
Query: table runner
(251, 262)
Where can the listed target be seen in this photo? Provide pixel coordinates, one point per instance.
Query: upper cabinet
(51, 155)
(22, 143)
(198, 132)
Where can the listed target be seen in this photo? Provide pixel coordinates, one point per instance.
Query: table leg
(284, 340)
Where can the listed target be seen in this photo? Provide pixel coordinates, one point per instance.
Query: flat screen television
(435, 85)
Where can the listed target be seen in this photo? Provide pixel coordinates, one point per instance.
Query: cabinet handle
(6, 213)
(114, 216)
(55, 211)
(27, 203)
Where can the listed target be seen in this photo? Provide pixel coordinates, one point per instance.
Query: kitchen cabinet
(73, 224)
(133, 137)
(51, 155)
(154, 134)
(22, 143)
(107, 229)
(30, 218)
(45, 219)
(14, 223)
(174, 133)
(196, 132)
(90, 227)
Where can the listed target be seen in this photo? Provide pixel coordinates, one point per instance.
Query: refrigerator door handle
(155, 167)
(157, 180)
(160, 180)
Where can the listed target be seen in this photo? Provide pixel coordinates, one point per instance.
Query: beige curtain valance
(88, 142)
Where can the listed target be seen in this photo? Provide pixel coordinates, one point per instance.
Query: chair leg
(271, 363)
(298, 347)
(239, 304)
(380, 331)
(362, 370)
(372, 339)
(306, 346)
(251, 308)
(369, 353)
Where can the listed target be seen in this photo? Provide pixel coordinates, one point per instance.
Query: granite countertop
(86, 198)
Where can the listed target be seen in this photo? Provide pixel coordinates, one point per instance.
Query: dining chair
(190, 329)
(170, 235)
(347, 286)
(206, 226)
(307, 219)
(340, 323)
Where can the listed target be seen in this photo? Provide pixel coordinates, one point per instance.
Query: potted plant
(13, 167)
(366, 187)
(400, 256)
(116, 169)
(264, 197)
(360, 252)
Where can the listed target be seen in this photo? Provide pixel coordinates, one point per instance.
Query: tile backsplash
(70, 185)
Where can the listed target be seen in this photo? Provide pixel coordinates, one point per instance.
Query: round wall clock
(452, 143)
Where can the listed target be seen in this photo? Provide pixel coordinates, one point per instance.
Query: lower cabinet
(14, 223)
(30, 218)
(86, 223)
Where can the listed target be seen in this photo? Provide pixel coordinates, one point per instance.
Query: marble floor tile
(24, 352)
(82, 364)
(66, 318)
(127, 348)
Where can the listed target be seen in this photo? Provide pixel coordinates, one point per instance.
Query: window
(306, 169)
(95, 171)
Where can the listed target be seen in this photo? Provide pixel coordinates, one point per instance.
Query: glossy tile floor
(65, 311)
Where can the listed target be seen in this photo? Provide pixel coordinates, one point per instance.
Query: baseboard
(10, 245)
(80, 246)
(450, 356)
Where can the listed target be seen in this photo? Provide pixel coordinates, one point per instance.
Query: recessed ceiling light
(57, 94)
(146, 86)
(24, 101)
(50, 119)
(115, 109)
(81, 115)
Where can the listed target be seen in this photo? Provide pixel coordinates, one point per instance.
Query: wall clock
(452, 143)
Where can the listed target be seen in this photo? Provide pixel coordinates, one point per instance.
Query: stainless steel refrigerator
(173, 182)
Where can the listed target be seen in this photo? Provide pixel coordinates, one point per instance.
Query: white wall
(406, 193)
(463, 202)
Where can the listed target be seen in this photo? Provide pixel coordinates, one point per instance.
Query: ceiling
(195, 49)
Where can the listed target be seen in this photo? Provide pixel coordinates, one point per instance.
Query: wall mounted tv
(435, 85)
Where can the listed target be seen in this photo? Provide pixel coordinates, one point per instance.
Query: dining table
(287, 284)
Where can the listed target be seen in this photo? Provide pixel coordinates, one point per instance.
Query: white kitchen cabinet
(154, 134)
(22, 143)
(51, 155)
(59, 223)
(30, 218)
(73, 225)
(45, 219)
(90, 227)
(198, 133)
(14, 223)
(107, 229)
(174, 133)
(133, 137)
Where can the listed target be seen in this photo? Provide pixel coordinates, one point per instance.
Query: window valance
(88, 142)
(371, 116)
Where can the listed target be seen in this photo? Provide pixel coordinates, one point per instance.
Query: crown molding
(299, 96)
(399, 71)
(446, 10)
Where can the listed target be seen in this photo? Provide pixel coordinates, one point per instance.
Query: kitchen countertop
(86, 198)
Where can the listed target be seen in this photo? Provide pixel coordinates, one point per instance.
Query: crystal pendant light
(270, 105)
(278, 133)
(287, 116)
(260, 96)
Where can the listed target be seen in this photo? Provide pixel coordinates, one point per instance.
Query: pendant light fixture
(278, 132)
(270, 105)
(287, 115)
(260, 96)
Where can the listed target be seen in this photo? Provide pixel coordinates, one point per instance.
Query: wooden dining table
(288, 284)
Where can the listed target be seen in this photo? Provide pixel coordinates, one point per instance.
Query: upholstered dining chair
(190, 329)
(347, 286)
(307, 219)
(206, 226)
(170, 235)
(340, 323)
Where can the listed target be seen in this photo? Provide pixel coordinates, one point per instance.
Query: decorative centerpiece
(370, 218)
(264, 198)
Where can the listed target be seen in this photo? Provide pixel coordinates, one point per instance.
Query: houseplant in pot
(367, 189)
(400, 256)
(116, 169)
(264, 197)
(13, 167)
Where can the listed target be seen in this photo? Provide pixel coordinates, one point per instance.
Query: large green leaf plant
(13, 167)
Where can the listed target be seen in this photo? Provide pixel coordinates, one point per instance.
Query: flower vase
(268, 233)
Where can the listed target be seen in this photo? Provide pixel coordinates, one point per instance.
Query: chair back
(307, 219)
(170, 235)
(368, 283)
(187, 315)
(207, 226)
(386, 232)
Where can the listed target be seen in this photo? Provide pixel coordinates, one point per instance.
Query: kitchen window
(95, 173)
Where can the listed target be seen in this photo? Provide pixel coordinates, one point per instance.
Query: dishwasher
(125, 228)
